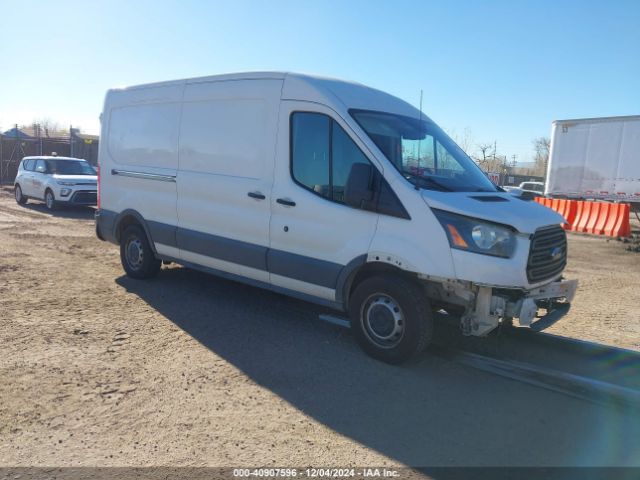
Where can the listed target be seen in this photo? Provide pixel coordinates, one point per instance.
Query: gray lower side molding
(286, 264)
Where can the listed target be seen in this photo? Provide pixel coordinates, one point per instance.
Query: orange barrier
(579, 213)
(571, 210)
(599, 218)
(596, 208)
(622, 227)
(610, 225)
(581, 223)
(606, 210)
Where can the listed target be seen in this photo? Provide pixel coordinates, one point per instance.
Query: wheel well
(369, 270)
(125, 222)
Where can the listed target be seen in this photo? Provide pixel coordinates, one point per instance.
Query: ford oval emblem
(556, 253)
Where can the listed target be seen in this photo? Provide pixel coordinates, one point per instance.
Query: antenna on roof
(419, 125)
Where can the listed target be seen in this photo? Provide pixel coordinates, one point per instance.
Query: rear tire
(50, 200)
(137, 258)
(20, 198)
(391, 318)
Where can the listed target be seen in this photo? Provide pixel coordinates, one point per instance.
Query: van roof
(297, 86)
(228, 76)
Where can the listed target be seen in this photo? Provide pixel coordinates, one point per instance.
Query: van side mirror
(358, 192)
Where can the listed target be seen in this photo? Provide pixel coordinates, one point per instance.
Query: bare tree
(485, 148)
(541, 147)
(485, 156)
(47, 126)
(464, 139)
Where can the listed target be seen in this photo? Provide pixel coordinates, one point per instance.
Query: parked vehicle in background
(595, 158)
(515, 191)
(531, 190)
(57, 181)
(325, 190)
(526, 190)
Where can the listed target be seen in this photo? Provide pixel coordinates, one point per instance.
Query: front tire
(137, 258)
(20, 198)
(50, 200)
(391, 318)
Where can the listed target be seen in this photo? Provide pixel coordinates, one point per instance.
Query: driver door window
(322, 154)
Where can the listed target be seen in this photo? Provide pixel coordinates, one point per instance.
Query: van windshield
(423, 153)
(70, 167)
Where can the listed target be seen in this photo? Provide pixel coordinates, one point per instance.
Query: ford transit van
(325, 190)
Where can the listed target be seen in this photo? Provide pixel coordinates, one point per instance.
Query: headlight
(478, 236)
(68, 184)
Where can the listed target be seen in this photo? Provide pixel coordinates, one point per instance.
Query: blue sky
(502, 70)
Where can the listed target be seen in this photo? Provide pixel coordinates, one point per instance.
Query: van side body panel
(227, 146)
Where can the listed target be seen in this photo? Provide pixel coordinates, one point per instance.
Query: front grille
(543, 264)
(85, 197)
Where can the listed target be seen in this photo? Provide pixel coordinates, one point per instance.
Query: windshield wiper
(428, 181)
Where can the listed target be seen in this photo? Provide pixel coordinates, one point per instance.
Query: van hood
(497, 207)
(91, 179)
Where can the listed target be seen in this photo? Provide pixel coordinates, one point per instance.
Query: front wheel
(391, 318)
(20, 198)
(136, 255)
(50, 200)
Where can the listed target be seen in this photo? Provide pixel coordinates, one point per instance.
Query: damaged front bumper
(492, 306)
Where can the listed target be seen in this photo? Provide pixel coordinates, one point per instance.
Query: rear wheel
(136, 255)
(20, 198)
(391, 318)
(50, 200)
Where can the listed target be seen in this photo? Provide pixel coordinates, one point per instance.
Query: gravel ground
(186, 369)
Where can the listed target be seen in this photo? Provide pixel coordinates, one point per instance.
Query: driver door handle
(284, 201)
(256, 195)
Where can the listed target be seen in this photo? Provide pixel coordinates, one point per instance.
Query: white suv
(56, 180)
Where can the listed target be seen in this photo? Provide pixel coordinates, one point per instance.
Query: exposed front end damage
(486, 307)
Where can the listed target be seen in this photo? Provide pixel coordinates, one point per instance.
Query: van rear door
(314, 234)
(227, 146)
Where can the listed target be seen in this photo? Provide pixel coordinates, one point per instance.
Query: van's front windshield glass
(423, 153)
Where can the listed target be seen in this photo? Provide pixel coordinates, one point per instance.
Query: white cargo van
(328, 191)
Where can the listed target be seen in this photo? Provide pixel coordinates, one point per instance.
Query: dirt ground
(188, 369)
